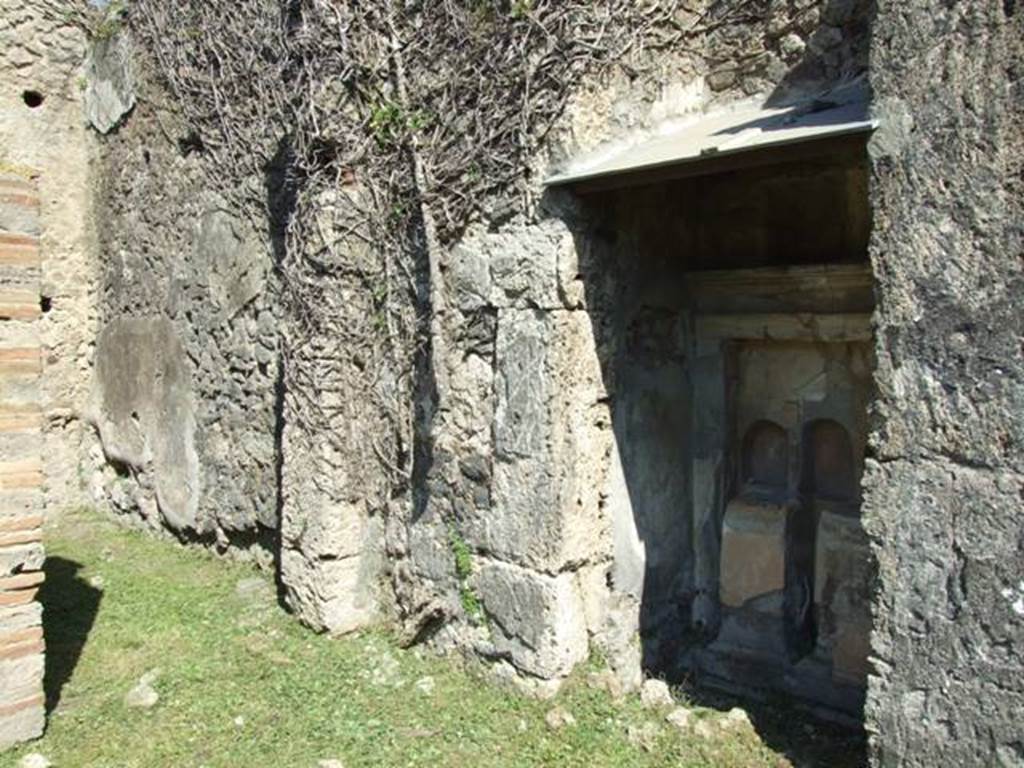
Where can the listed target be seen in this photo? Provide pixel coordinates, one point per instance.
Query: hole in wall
(192, 142)
(45, 304)
(1009, 6)
(32, 99)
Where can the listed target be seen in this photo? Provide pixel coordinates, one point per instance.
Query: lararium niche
(731, 297)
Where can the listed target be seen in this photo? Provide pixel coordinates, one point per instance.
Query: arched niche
(765, 456)
(829, 469)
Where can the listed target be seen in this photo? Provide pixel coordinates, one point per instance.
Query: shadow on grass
(70, 605)
(803, 738)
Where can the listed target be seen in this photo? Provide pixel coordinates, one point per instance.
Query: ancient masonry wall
(943, 491)
(41, 127)
(21, 470)
(528, 468)
(186, 365)
(200, 434)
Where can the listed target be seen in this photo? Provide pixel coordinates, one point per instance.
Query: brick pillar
(22, 710)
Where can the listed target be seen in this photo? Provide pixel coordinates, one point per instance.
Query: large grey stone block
(552, 441)
(538, 620)
(144, 410)
(110, 82)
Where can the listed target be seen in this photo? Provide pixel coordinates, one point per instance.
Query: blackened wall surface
(943, 493)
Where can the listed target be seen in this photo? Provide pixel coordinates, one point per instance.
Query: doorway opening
(731, 298)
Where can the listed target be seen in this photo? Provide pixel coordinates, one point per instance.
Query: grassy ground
(242, 684)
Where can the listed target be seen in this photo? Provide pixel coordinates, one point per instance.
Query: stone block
(333, 595)
(19, 207)
(224, 249)
(520, 266)
(18, 503)
(145, 411)
(20, 445)
(756, 630)
(524, 268)
(21, 676)
(110, 82)
(17, 559)
(851, 649)
(523, 350)
(537, 620)
(753, 561)
(16, 618)
(842, 596)
(470, 275)
(333, 530)
(841, 560)
(552, 440)
(22, 722)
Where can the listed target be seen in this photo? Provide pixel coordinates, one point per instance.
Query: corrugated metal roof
(739, 129)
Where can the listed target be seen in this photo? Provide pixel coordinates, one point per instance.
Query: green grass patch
(241, 683)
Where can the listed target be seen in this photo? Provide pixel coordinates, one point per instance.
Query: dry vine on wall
(407, 120)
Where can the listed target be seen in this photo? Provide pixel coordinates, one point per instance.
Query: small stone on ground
(679, 717)
(425, 685)
(735, 718)
(559, 718)
(143, 695)
(655, 694)
(702, 729)
(330, 764)
(607, 681)
(644, 736)
(34, 760)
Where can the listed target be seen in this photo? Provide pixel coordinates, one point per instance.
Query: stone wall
(186, 383)
(567, 509)
(41, 127)
(943, 491)
(509, 545)
(21, 462)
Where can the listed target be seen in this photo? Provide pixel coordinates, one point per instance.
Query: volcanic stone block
(551, 443)
(110, 82)
(334, 595)
(538, 620)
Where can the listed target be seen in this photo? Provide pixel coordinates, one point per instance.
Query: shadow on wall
(836, 50)
(70, 605)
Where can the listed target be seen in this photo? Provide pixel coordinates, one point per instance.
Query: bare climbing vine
(369, 135)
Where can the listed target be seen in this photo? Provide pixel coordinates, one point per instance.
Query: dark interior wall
(803, 212)
(943, 496)
(645, 246)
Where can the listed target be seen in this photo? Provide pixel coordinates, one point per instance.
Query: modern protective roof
(742, 128)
